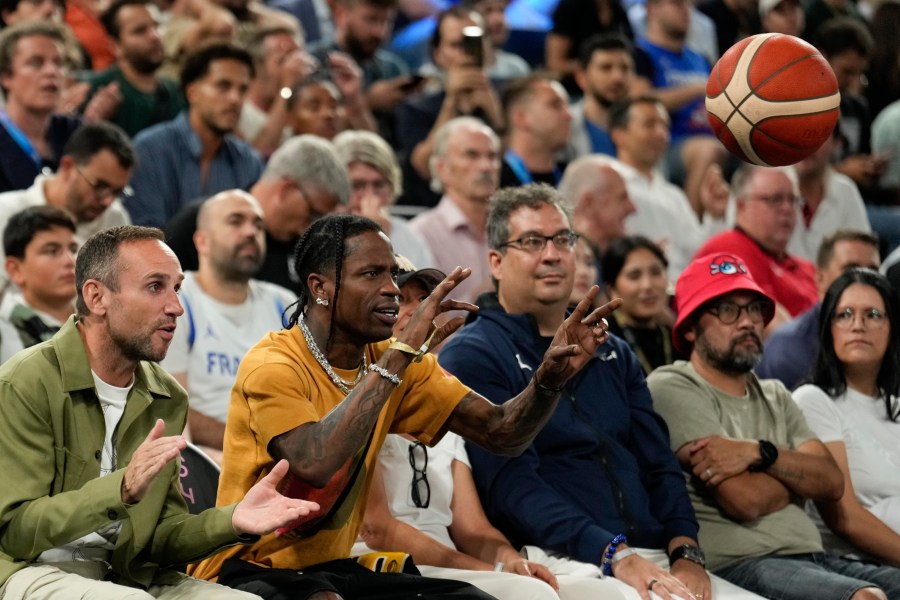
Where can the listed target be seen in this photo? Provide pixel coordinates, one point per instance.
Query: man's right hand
(148, 461)
(644, 576)
(464, 79)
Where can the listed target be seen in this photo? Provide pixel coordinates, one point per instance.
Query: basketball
(772, 99)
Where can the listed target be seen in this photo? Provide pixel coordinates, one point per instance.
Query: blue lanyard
(521, 172)
(21, 139)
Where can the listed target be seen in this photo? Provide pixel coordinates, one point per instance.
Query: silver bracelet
(384, 373)
(622, 554)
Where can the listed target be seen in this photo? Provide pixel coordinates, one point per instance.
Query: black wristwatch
(768, 455)
(688, 552)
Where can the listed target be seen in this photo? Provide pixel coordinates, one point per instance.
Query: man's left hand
(715, 459)
(576, 340)
(694, 577)
(264, 510)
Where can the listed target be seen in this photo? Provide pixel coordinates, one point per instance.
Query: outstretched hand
(421, 327)
(576, 340)
(264, 510)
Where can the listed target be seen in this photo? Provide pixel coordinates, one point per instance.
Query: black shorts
(344, 577)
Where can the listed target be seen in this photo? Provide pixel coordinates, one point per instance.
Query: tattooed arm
(320, 452)
(510, 428)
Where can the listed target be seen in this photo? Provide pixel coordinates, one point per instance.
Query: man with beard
(361, 28)
(93, 173)
(605, 75)
(129, 93)
(90, 434)
(225, 311)
(196, 154)
(466, 167)
(749, 459)
(767, 204)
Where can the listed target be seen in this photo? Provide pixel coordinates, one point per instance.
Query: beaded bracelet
(606, 564)
(386, 374)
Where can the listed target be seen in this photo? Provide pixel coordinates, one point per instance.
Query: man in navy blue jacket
(602, 465)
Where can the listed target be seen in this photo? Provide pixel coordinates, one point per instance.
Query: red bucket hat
(706, 278)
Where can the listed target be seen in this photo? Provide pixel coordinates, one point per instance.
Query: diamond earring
(321, 301)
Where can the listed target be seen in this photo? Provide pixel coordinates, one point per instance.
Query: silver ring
(709, 474)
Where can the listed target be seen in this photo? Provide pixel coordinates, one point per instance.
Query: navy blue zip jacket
(601, 466)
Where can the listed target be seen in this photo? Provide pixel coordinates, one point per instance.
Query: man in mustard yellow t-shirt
(324, 393)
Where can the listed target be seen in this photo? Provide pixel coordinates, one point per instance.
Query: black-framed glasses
(102, 188)
(534, 242)
(729, 312)
(421, 491)
(777, 200)
(870, 317)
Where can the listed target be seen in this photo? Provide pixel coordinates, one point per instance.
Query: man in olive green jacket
(89, 438)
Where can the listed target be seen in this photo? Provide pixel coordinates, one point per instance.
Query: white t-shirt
(842, 207)
(663, 212)
(873, 449)
(435, 520)
(211, 338)
(98, 545)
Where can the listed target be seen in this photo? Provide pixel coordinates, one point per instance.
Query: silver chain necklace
(343, 384)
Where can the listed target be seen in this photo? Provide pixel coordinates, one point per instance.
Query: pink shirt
(454, 242)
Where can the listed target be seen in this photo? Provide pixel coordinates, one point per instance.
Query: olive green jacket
(51, 436)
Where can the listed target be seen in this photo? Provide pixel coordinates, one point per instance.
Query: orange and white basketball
(772, 99)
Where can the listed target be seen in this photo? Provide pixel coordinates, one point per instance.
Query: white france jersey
(211, 338)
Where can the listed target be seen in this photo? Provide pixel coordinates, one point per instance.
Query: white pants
(510, 586)
(82, 580)
(561, 566)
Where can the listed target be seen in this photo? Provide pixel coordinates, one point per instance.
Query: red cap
(706, 278)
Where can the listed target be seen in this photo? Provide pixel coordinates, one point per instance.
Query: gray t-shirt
(694, 409)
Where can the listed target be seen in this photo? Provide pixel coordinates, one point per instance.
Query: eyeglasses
(871, 317)
(102, 188)
(420, 480)
(777, 200)
(533, 242)
(730, 312)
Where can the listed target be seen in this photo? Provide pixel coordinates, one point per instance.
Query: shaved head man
(226, 311)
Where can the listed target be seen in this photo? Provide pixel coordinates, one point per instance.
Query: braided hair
(321, 250)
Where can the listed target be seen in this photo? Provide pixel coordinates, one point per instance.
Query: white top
(13, 202)
(873, 448)
(98, 545)
(663, 214)
(211, 338)
(842, 207)
(435, 520)
(10, 341)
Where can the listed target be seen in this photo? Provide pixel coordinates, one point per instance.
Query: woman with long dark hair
(852, 405)
(634, 268)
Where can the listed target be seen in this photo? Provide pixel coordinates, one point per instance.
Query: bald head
(598, 199)
(230, 236)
